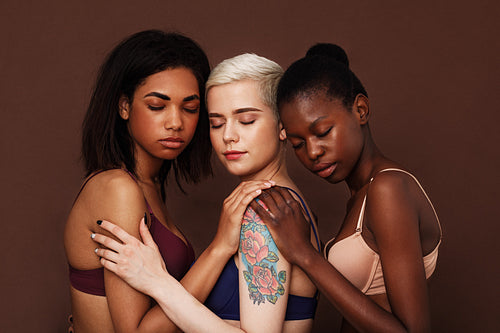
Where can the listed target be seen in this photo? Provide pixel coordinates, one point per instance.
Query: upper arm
(263, 277)
(121, 201)
(393, 218)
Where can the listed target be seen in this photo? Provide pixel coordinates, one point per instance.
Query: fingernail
(99, 222)
(145, 219)
(258, 191)
(272, 182)
(92, 235)
(95, 250)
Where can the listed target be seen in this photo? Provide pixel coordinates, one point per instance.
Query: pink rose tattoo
(259, 254)
(253, 247)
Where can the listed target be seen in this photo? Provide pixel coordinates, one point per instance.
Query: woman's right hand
(228, 231)
(139, 264)
(284, 218)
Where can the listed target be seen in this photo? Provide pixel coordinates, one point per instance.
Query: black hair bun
(329, 50)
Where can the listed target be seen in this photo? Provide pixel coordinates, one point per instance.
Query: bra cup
(354, 260)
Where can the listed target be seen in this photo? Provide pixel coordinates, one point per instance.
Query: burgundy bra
(177, 255)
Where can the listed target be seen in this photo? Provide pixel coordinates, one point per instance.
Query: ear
(362, 107)
(282, 131)
(124, 107)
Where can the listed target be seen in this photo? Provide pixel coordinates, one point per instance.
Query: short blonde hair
(252, 67)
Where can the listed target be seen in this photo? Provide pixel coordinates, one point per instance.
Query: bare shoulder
(392, 201)
(391, 184)
(115, 196)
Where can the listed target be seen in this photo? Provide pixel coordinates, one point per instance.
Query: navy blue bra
(224, 300)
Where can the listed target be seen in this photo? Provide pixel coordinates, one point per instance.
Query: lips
(324, 170)
(233, 154)
(172, 142)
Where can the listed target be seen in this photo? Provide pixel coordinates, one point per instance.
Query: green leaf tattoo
(259, 255)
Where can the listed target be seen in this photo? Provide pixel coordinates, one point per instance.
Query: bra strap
(421, 188)
(308, 216)
(85, 183)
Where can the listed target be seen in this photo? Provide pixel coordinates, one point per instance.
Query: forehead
(175, 79)
(235, 95)
(308, 108)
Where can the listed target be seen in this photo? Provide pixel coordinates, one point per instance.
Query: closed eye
(155, 108)
(195, 110)
(247, 122)
(325, 133)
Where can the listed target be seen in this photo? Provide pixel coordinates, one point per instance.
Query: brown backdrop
(431, 71)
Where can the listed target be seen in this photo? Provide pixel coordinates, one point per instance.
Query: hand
(228, 231)
(285, 220)
(139, 264)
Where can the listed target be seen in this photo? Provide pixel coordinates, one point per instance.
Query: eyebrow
(237, 111)
(167, 98)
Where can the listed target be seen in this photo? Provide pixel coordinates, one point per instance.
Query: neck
(368, 163)
(147, 167)
(276, 170)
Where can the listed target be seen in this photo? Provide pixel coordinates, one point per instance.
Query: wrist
(220, 250)
(161, 286)
(306, 258)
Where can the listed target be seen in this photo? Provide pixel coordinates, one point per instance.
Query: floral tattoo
(259, 255)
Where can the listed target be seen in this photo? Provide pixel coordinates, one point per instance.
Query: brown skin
(399, 222)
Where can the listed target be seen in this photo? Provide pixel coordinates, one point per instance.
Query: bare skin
(236, 128)
(400, 224)
(114, 195)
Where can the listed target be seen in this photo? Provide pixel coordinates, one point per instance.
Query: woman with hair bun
(375, 270)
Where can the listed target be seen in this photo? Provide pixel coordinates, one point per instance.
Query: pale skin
(238, 120)
(166, 104)
(399, 224)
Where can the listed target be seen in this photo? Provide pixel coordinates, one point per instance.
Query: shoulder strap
(359, 226)
(308, 216)
(85, 183)
(422, 189)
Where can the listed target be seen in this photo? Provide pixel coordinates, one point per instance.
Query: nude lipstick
(172, 142)
(324, 170)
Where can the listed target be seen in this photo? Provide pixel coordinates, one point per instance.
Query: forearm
(186, 311)
(198, 281)
(358, 309)
(201, 278)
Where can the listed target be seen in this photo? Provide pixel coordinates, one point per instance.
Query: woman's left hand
(285, 220)
(139, 264)
(228, 230)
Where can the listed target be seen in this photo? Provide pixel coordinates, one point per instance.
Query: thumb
(147, 239)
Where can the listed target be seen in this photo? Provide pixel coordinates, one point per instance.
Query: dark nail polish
(99, 222)
(145, 218)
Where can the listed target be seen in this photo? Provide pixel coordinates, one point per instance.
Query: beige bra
(358, 263)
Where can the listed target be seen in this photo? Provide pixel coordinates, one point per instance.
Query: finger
(109, 265)
(268, 199)
(121, 234)
(249, 186)
(287, 196)
(250, 193)
(262, 212)
(145, 234)
(106, 241)
(107, 254)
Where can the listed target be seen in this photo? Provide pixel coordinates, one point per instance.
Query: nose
(173, 119)
(314, 150)
(230, 133)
